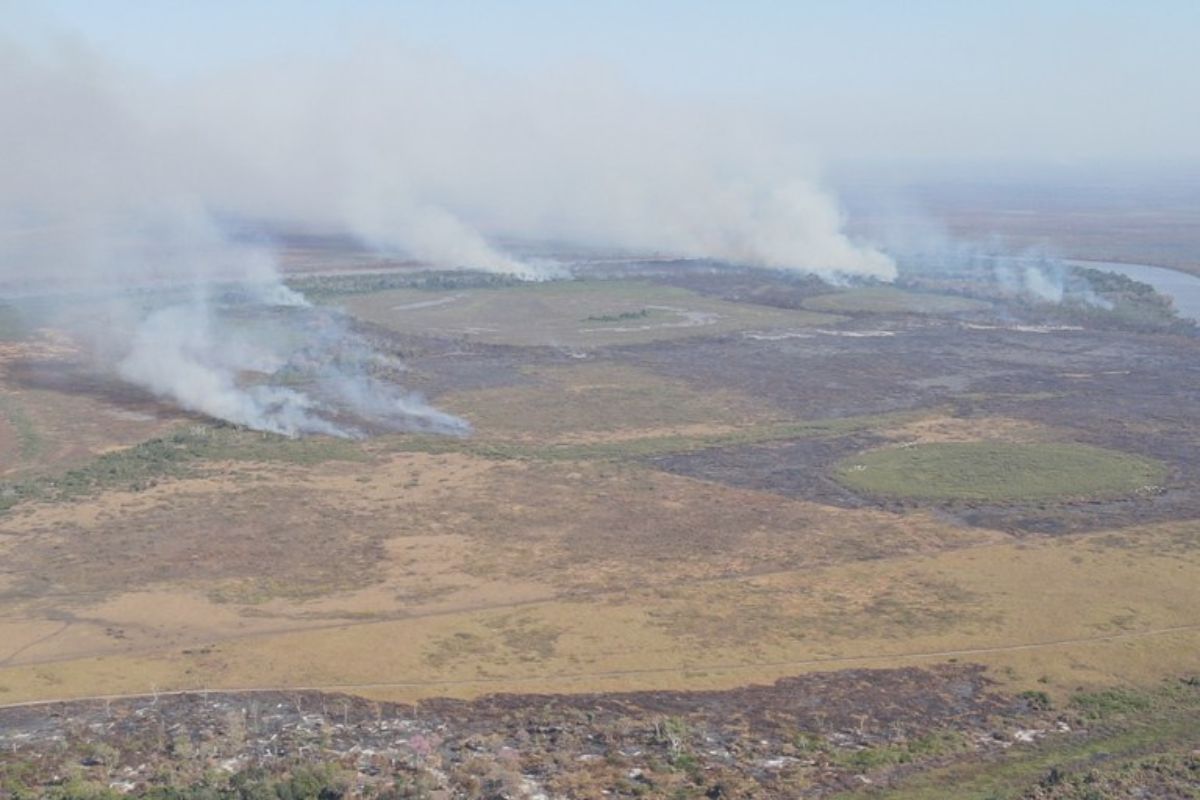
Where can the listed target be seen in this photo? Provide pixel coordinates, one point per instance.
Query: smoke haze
(417, 154)
(112, 182)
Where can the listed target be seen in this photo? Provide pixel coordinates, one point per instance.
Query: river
(1181, 287)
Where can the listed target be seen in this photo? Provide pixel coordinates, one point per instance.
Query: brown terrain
(641, 575)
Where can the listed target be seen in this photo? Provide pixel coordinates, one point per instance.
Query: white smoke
(924, 248)
(100, 219)
(112, 184)
(420, 154)
(175, 353)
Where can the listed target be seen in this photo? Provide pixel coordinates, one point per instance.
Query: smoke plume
(98, 218)
(112, 188)
(419, 154)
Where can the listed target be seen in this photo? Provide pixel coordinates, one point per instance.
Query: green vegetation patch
(932, 745)
(890, 300)
(1110, 702)
(997, 471)
(1128, 739)
(1131, 303)
(177, 455)
(316, 781)
(327, 287)
(641, 313)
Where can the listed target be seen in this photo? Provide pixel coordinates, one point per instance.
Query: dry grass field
(637, 519)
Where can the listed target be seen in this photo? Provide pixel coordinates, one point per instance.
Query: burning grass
(997, 472)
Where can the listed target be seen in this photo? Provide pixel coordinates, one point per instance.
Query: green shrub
(1110, 702)
(1036, 700)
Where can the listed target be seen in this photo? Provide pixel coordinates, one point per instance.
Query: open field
(888, 300)
(591, 402)
(668, 509)
(998, 472)
(578, 314)
(431, 620)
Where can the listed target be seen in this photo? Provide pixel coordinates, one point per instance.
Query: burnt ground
(78, 377)
(1138, 393)
(1135, 392)
(797, 468)
(438, 365)
(920, 364)
(1128, 391)
(797, 737)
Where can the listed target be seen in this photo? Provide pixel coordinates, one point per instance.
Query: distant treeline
(318, 286)
(1131, 304)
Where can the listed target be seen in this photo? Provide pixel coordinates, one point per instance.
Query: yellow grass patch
(969, 429)
(1120, 614)
(603, 402)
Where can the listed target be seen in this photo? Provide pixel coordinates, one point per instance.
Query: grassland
(602, 401)
(181, 453)
(543, 552)
(998, 471)
(556, 549)
(646, 444)
(521, 424)
(577, 314)
(889, 300)
(54, 418)
(478, 587)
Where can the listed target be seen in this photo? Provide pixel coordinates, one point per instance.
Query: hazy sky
(132, 132)
(1054, 79)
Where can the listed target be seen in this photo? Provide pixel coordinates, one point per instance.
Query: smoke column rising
(421, 154)
(110, 184)
(98, 217)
